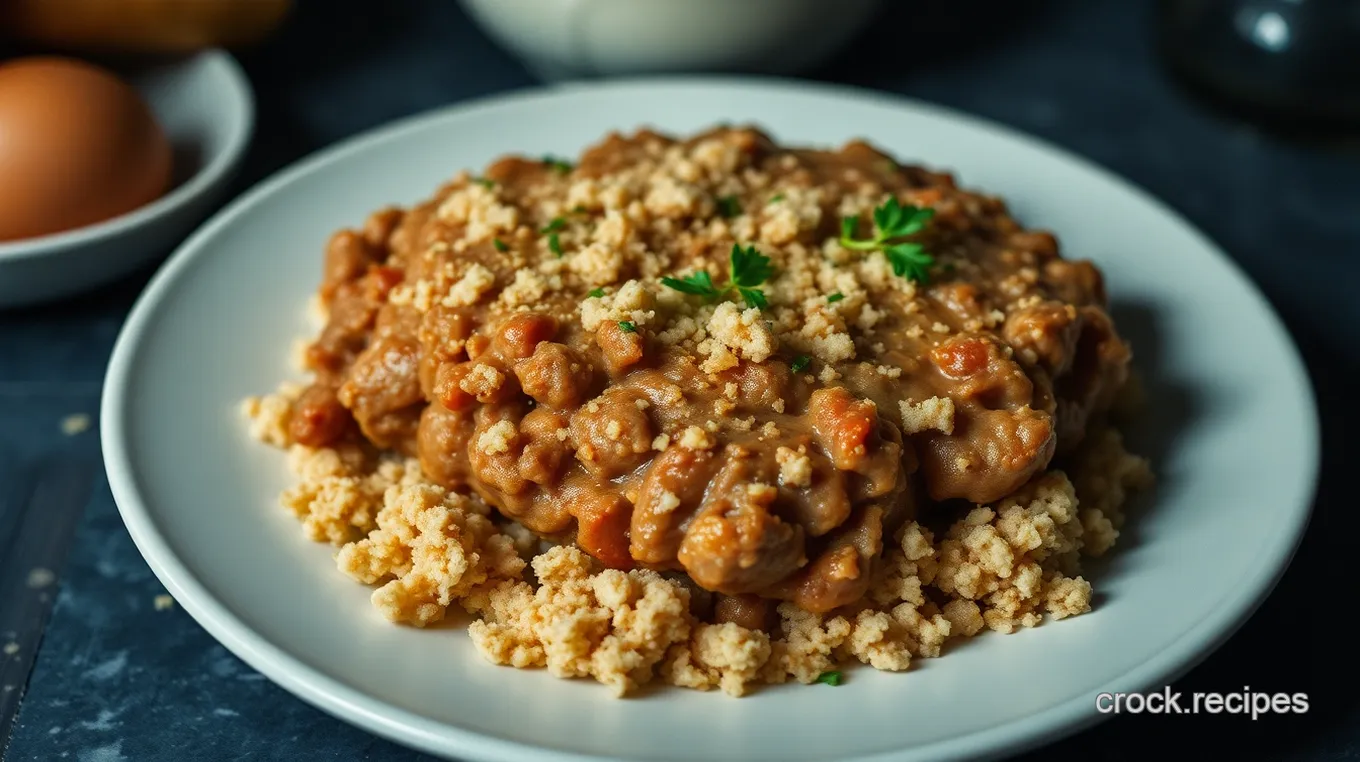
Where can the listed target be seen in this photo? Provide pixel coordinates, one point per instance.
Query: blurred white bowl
(206, 107)
(563, 39)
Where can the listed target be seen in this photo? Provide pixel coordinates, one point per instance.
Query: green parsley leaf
(579, 209)
(484, 182)
(776, 198)
(699, 282)
(836, 297)
(627, 326)
(893, 221)
(554, 225)
(832, 678)
(799, 363)
(729, 207)
(500, 245)
(910, 260)
(748, 269)
(562, 167)
(753, 297)
(596, 293)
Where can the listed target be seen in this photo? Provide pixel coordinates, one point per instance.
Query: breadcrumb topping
(795, 467)
(935, 413)
(572, 304)
(1002, 567)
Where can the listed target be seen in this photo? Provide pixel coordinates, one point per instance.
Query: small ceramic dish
(568, 39)
(206, 107)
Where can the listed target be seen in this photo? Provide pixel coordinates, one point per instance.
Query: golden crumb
(431, 548)
(610, 625)
(1011, 558)
(935, 413)
(695, 438)
(725, 656)
(742, 331)
(268, 415)
(75, 423)
(470, 288)
(337, 504)
(497, 438)
(795, 467)
(163, 602)
(40, 577)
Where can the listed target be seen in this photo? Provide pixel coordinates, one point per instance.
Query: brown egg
(77, 146)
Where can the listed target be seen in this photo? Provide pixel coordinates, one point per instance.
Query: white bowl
(563, 39)
(206, 107)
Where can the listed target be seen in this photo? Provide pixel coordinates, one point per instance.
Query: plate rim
(409, 729)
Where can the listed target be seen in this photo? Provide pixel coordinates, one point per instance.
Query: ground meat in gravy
(512, 333)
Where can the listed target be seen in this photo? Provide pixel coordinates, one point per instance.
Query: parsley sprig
(892, 222)
(748, 270)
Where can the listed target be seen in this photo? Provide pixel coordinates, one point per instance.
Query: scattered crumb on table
(10, 648)
(38, 577)
(163, 602)
(74, 424)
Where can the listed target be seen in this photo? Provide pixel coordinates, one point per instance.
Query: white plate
(1232, 424)
(206, 107)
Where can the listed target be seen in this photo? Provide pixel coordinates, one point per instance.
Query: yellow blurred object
(141, 26)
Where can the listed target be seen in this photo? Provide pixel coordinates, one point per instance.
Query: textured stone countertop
(118, 678)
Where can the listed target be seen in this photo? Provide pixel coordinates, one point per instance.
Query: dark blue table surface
(117, 679)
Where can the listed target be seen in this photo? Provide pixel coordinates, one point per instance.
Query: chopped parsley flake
(596, 293)
(776, 198)
(627, 326)
(484, 182)
(561, 166)
(799, 363)
(832, 678)
(551, 229)
(836, 297)
(729, 207)
(893, 221)
(500, 245)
